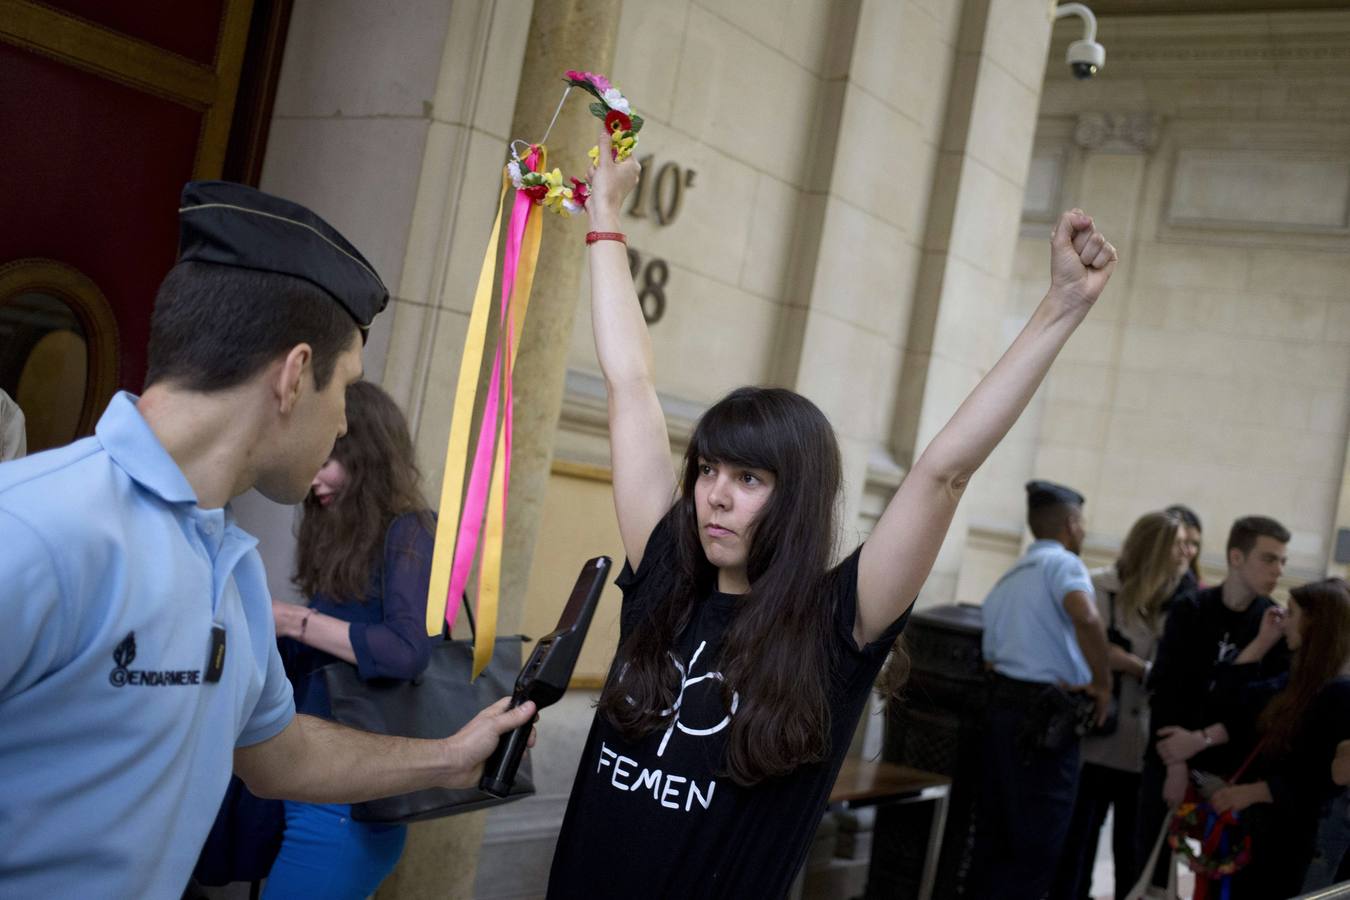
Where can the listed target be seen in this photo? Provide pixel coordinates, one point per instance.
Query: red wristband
(593, 236)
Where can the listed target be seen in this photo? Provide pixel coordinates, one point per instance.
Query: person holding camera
(1133, 596)
(1043, 642)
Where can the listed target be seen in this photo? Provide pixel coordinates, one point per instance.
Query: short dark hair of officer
(1051, 509)
(256, 275)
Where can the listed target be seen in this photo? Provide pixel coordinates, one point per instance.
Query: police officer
(138, 661)
(1044, 644)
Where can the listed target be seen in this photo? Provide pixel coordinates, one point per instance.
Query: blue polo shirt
(114, 748)
(1027, 633)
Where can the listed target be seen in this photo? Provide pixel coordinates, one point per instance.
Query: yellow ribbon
(489, 572)
(457, 447)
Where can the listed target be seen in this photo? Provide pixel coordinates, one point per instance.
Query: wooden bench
(862, 783)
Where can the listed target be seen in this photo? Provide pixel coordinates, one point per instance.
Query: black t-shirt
(654, 818)
(1201, 637)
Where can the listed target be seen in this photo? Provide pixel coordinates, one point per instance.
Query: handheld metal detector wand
(547, 673)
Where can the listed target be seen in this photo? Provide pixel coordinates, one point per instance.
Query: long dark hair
(340, 544)
(1322, 655)
(776, 655)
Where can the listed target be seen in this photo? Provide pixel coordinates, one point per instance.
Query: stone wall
(1216, 372)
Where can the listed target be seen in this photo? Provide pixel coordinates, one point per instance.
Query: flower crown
(551, 189)
(1220, 855)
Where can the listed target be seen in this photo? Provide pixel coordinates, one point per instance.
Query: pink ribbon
(475, 500)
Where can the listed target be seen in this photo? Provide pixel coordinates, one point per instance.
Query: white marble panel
(711, 230)
(647, 57)
(903, 55)
(774, 227)
(840, 363)
(894, 185)
(1045, 178)
(744, 98)
(353, 58)
(1307, 273)
(762, 20)
(985, 227)
(713, 337)
(1080, 382)
(1260, 189)
(361, 175)
(819, 35)
(1209, 267)
(1017, 35)
(866, 271)
(1002, 122)
(970, 318)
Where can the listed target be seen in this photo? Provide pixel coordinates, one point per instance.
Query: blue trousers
(1024, 810)
(1333, 841)
(326, 855)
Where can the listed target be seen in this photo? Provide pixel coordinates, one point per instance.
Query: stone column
(1082, 389)
(441, 856)
(571, 34)
(955, 328)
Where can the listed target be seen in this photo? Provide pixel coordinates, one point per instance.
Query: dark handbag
(436, 704)
(1114, 636)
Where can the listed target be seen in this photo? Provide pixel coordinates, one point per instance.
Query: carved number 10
(666, 197)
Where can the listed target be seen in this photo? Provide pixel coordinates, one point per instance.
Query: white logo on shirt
(685, 683)
(670, 790)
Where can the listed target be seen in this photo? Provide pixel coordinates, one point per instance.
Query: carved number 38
(652, 288)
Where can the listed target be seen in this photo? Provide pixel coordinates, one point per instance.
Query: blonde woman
(1132, 598)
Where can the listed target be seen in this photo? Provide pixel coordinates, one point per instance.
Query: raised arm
(644, 480)
(899, 554)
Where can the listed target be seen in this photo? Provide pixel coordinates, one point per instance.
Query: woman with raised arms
(745, 657)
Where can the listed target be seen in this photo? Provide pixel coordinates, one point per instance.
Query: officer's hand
(1101, 700)
(473, 744)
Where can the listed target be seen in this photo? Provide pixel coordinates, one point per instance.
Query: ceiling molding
(1315, 44)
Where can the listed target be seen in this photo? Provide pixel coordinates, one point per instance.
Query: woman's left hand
(1081, 259)
(288, 617)
(1178, 744)
(1237, 797)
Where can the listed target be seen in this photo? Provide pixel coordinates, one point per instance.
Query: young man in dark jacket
(1202, 633)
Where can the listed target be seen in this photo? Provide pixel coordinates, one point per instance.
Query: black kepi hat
(235, 225)
(1041, 494)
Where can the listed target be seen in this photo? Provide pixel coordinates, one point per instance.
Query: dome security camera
(1085, 57)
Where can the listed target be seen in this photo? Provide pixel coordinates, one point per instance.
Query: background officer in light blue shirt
(1042, 640)
(138, 662)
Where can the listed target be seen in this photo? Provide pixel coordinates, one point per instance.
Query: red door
(106, 110)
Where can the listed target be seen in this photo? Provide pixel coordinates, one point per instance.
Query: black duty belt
(1014, 690)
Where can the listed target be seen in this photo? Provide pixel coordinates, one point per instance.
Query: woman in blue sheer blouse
(364, 560)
